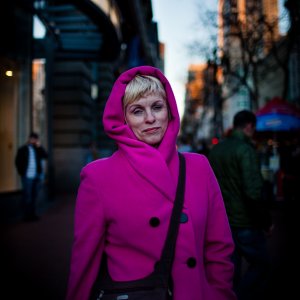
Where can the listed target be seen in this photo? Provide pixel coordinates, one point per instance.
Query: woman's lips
(151, 130)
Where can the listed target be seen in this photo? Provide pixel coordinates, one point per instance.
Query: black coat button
(154, 221)
(183, 218)
(191, 262)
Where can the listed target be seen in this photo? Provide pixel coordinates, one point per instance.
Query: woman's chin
(152, 142)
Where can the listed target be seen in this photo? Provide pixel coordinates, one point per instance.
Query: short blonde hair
(142, 85)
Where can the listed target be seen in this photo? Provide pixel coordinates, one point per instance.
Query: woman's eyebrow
(134, 105)
(159, 100)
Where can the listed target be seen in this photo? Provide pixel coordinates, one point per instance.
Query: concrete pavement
(35, 256)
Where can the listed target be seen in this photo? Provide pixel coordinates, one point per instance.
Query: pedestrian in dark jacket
(236, 166)
(29, 163)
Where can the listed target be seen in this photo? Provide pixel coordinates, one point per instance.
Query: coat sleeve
(250, 171)
(42, 152)
(21, 160)
(219, 245)
(253, 188)
(18, 162)
(88, 241)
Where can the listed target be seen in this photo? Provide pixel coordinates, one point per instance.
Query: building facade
(252, 67)
(57, 83)
(202, 120)
(248, 32)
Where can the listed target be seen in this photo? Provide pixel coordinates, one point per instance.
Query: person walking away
(29, 162)
(93, 152)
(125, 201)
(236, 166)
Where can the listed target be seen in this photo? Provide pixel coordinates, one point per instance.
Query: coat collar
(159, 166)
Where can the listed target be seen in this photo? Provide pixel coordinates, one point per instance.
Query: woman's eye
(157, 107)
(137, 112)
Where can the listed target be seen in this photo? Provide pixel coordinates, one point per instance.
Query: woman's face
(148, 118)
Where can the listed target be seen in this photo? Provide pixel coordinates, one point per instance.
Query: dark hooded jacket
(236, 166)
(22, 157)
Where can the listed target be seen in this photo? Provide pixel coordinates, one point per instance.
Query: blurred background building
(58, 61)
(252, 64)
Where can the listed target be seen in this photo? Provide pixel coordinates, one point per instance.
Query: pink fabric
(119, 195)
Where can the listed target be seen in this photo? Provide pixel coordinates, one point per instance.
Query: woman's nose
(149, 116)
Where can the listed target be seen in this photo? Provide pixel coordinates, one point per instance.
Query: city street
(35, 256)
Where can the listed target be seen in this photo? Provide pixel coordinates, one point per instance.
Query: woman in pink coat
(124, 202)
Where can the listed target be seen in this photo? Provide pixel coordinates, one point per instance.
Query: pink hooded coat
(119, 196)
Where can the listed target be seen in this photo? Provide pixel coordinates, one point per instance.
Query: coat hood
(157, 165)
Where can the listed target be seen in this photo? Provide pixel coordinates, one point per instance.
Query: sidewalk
(35, 256)
(11, 207)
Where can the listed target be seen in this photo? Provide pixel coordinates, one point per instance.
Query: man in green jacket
(236, 166)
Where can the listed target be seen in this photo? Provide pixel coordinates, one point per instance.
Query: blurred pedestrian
(236, 166)
(93, 153)
(185, 144)
(30, 163)
(202, 148)
(290, 166)
(124, 201)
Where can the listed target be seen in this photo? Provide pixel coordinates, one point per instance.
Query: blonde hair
(142, 85)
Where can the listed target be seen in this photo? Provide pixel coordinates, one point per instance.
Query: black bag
(153, 287)
(157, 285)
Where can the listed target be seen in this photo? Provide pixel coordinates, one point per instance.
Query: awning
(278, 115)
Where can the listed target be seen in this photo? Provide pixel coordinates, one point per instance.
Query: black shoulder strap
(164, 265)
(162, 270)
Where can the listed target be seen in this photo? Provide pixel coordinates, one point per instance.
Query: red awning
(279, 106)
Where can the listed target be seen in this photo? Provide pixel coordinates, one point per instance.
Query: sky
(178, 25)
